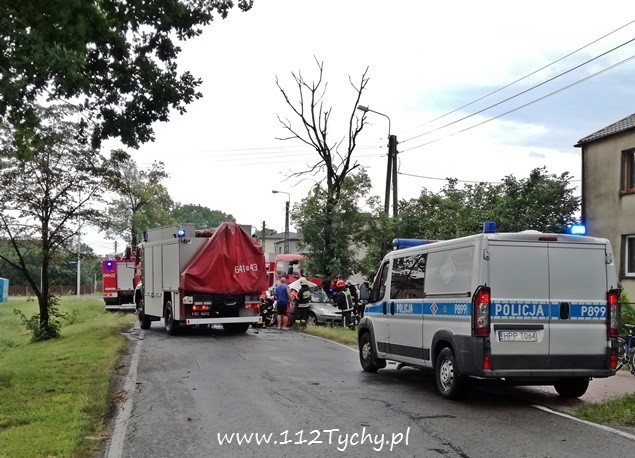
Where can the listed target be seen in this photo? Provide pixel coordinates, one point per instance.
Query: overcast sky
(425, 60)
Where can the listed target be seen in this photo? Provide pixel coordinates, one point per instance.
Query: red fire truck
(290, 266)
(117, 273)
(193, 277)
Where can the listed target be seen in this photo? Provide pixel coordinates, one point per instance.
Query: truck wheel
(571, 387)
(450, 382)
(235, 328)
(367, 357)
(144, 321)
(171, 325)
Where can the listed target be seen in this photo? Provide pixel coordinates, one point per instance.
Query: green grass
(55, 394)
(337, 333)
(620, 410)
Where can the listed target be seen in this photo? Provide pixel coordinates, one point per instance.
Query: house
(608, 193)
(274, 243)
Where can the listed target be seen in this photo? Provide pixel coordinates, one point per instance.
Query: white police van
(528, 308)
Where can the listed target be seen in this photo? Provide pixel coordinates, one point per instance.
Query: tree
(143, 202)
(116, 58)
(543, 202)
(336, 164)
(49, 183)
(347, 223)
(201, 217)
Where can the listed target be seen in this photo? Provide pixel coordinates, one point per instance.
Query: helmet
(303, 281)
(340, 283)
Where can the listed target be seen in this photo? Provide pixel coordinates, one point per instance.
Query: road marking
(115, 450)
(590, 423)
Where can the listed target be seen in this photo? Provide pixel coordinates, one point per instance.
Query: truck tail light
(613, 316)
(255, 306)
(480, 312)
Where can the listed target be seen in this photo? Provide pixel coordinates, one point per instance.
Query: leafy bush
(627, 312)
(44, 332)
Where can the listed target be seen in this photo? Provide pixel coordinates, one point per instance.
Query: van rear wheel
(571, 387)
(450, 382)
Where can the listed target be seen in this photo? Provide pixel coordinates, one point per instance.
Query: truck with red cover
(193, 277)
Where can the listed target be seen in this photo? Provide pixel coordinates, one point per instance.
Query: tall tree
(347, 223)
(116, 58)
(334, 156)
(142, 201)
(49, 184)
(201, 217)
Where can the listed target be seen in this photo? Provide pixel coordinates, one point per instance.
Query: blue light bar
(407, 243)
(577, 229)
(109, 264)
(489, 227)
(180, 233)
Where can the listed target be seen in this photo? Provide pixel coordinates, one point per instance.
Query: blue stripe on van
(451, 309)
(499, 310)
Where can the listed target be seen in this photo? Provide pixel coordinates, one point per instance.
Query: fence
(65, 290)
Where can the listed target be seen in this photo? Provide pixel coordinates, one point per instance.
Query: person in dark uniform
(344, 302)
(303, 300)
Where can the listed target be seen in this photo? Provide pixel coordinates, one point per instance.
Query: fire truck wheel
(235, 328)
(171, 325)
(144, 321)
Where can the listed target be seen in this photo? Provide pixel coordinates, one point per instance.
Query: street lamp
(286, 219)
(391, 169)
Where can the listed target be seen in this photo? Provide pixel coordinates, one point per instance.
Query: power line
(460, 181)
(520, 93)
(524, 105)
(526, 76)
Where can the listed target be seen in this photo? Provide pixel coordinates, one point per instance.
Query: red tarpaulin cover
(230, 262)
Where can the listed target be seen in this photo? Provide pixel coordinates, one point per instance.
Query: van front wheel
(571, 387)
(367, 358)
(450, 382)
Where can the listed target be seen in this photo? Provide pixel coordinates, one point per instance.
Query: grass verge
(337, 333)
(55, 394)
(620, 410)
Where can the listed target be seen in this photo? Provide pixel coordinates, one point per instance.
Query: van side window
(408, 273)
(379, 286)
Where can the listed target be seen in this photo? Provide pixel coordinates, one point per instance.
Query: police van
(529, 308)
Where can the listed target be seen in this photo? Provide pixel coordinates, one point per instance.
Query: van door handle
(565, 310)
(383, 306)
(392, 308)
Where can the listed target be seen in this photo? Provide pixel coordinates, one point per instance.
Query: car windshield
(318, 295)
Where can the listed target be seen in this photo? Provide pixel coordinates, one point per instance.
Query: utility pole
(286, 228)
(392, 155)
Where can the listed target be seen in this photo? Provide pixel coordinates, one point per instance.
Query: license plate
(518, 336)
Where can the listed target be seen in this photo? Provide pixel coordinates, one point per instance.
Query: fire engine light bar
(109, 264)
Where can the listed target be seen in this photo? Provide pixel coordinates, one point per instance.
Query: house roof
(628, 123)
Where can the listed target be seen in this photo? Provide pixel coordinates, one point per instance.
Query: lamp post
(391, 169)
(286, 219)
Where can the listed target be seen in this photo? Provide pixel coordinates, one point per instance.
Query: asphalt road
(303, 395)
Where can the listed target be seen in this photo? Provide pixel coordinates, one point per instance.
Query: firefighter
(353, 290)
(303, 300)
(344, 302)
